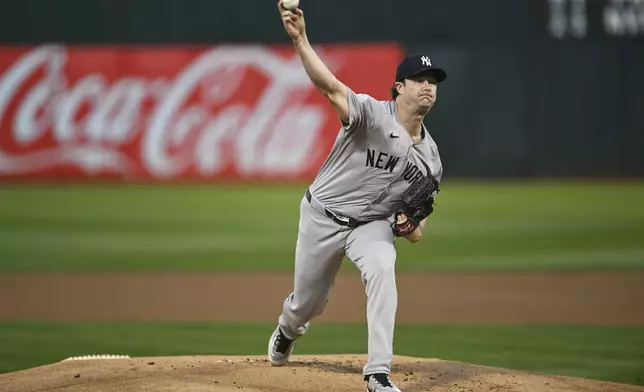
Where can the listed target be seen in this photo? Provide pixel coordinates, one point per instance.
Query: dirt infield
(306, 373)
(592, 298)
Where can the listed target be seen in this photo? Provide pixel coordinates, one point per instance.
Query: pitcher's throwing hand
(293, 22)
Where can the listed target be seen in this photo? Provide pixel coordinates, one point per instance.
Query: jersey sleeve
(362, 111)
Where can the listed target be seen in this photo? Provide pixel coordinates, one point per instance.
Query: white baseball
(290, 4)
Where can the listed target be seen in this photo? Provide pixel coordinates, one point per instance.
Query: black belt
(344, 220)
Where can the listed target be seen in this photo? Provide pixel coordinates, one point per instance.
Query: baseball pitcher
(378, 183)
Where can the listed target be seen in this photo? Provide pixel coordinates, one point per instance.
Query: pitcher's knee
(380, 264)
(298, 312)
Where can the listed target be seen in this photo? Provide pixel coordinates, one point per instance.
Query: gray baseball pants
(321, 245)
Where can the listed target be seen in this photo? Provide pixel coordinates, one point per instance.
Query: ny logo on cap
(426, 61)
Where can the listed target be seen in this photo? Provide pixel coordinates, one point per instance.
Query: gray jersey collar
(391, 106)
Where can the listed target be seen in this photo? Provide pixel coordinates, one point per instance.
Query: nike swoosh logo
(391, 135)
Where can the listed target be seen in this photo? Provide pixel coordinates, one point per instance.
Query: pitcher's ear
(398, 86)
(395, 88)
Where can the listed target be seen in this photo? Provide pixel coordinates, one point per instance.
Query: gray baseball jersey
(373, 161)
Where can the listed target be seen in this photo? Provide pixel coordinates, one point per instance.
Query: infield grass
(482, 226)
(604, 353)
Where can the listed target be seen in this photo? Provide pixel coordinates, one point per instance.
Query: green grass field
(610, 353)
(484, 226)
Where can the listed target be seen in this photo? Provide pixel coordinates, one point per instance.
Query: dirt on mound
(305, 373)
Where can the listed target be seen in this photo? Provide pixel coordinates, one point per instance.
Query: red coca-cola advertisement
(197, 113)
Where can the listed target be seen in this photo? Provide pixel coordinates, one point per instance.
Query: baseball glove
(417, 204)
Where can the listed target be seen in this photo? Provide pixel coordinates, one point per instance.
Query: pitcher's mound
(323, 373)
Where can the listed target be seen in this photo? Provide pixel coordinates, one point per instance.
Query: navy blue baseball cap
(419, 64)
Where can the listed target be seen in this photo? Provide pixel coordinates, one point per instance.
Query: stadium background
(136, 219)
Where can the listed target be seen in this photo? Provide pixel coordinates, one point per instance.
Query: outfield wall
(539, 88)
